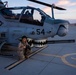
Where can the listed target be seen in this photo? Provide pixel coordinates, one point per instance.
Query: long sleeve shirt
(22, 46)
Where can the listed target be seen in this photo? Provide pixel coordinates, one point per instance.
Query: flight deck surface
(55, 59)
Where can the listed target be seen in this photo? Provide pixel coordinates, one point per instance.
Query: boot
(26, 57)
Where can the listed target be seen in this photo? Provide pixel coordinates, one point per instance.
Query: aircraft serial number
(39, 31)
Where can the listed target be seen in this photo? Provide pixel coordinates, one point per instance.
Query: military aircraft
(31, 22)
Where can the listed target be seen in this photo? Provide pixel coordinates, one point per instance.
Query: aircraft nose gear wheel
(40, 43)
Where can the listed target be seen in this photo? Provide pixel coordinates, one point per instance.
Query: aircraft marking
(39, 31)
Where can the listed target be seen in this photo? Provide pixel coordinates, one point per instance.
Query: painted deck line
(11, 66)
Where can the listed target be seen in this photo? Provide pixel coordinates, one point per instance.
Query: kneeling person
(24, 48)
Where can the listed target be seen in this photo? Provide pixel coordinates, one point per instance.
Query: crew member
(23, 48)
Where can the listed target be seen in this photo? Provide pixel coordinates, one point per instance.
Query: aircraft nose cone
(63, 30)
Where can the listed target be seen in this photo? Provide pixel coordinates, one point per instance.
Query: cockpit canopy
(27, 14)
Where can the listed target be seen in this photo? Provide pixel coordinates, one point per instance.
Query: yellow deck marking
(63, 58)
(20, 61)
(66, 62)
(73, 58)
(50, 55)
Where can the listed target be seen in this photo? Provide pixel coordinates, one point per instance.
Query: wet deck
(56, 59)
